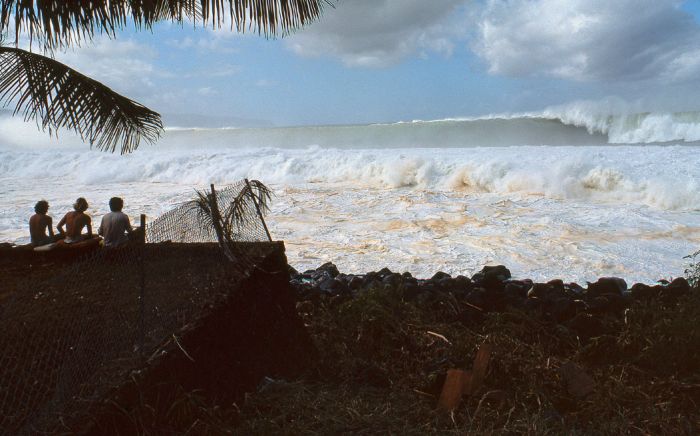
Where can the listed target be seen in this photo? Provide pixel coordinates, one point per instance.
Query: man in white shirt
(115, 226)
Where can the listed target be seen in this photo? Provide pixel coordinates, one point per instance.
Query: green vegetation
(692, 272)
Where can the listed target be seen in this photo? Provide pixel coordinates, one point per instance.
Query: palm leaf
(65, 22)
(57, 96)
(244, 208)
(208, 212)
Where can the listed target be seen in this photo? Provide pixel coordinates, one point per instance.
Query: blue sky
(390, 60)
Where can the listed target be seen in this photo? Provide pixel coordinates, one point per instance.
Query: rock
(556, 283)
(606, 285)
(292, 272)
(641, 291)
(446, 284)
(320, 275)
(371, 279)
(355, 283)
(478, 277)
(599, 304)
(477, 297)
(547, 292)
(574, 288)
(517, 289)
(680, 285)
(330, 268)
(410, 291)
(439, 276)
(499, 271)
(384, 272)
(406, 275)
(332, 286)
(393, 280)
(462, 283)
(586, 326)
(562, 310)
(616, 303)
(493, 284)
(533, 304)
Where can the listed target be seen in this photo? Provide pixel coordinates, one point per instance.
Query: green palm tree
(56, 96)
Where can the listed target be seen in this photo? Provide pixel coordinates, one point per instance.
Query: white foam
(576, 212)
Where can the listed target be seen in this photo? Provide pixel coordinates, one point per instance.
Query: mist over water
(561, 193)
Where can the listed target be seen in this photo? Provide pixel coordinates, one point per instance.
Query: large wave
(661, 177)
(578, 124)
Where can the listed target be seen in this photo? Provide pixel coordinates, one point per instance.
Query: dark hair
(80, 205)
(116, 204)
(41, 206)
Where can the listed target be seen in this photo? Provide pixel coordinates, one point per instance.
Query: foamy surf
(575, 212)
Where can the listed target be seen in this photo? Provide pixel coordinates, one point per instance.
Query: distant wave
(633, 128)
(577, 124)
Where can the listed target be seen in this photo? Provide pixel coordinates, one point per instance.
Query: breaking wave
(663, 177)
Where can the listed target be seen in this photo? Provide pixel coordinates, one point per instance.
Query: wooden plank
(451, 394)
(481, 365)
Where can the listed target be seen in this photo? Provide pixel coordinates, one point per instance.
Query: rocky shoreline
(491, 290)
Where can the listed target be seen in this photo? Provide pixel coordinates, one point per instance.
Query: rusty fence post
(142, 287)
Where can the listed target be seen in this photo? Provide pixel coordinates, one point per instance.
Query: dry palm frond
(207, 208)
(246, 210)
(64, 22)
(57, 96)
(254, 197)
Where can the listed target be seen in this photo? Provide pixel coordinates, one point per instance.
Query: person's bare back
(38, 225)
(75, 221)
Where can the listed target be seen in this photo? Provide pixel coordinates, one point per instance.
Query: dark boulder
(410, 291)
(606, 285)
(562, 310)
(477, 297)
(462, 283)
(355, 282)
(384, 272)
(330, 268)
(393, 280)
(439, 276)
(499, 271)
(641, 291)
(332, 286)
(680, 285)
(586, 326)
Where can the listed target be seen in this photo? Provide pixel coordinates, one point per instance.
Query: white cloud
(589, 39)
(379, 33)
(125, 66)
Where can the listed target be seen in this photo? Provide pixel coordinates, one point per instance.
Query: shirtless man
(38, 224)
(75, 221)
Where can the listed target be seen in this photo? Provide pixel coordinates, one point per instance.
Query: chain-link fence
(69, 339)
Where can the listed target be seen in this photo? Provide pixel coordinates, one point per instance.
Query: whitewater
(555, 194)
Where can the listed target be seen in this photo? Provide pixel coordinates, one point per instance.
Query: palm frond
(244, 208)
(207, 207)
(65, 22)
(57, 96)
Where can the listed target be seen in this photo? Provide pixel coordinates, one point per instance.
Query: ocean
(567, 194)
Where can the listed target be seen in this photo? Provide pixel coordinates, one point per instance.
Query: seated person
(115, 226)
(39, 223)
(75, 221)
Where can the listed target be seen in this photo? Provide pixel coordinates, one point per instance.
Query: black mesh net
(70, 338)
